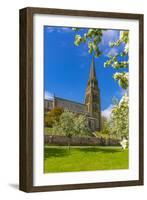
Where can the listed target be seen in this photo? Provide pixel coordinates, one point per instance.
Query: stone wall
(75, 141)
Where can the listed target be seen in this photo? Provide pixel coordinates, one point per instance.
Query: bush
(52, 116)
(69, 124)
(101, 134)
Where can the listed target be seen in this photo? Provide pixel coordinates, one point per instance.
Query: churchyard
(84, 158)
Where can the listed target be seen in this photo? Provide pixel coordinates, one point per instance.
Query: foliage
(118, 124)
(114, 61)
(81, 125)
(122, 79)
(71, 124)
(52, 116)
(65, 125)
(103, 121)
(93, 38)
(105, 125)
(120, 118)
(104, 134)
(48, 131)
(117, 127)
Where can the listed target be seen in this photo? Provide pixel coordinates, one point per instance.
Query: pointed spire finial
(92, 70)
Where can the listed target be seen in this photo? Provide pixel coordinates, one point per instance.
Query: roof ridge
(69, 100)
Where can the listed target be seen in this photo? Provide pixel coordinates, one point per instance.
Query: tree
(52, 116)
(114, 61)
(105, 125)
(81, 125)
(70, 124)
(119, 61)
(93, 38)
(103, 121)
(120, 118)
(66, 124)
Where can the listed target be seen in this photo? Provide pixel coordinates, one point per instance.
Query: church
(91, 107)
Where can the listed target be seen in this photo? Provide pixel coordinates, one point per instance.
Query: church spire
(92, 99)
(92, 70)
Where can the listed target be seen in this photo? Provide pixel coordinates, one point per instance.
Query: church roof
(69, 105)
(68, 100)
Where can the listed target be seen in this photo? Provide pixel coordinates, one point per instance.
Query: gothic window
(94, 106)
(95, 98)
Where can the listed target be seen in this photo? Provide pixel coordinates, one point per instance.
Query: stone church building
(91, 107)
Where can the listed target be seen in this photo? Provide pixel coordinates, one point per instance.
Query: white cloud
(107, 112)
(48, 95)
(121, 92)
(112, 51)
(110, 36)
(64, 30)
(50, 29)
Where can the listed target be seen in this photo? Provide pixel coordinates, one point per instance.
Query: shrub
(52, 116)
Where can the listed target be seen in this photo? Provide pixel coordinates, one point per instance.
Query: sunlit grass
(62, 159)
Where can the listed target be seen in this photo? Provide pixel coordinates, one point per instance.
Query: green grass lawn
(62, 159)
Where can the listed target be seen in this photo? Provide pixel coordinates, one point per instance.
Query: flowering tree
(81, 125)
(119, 61)
(93, 38)
(120, 118)
(114, 62)
(70, 124)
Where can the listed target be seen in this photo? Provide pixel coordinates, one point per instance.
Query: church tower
(92, 100)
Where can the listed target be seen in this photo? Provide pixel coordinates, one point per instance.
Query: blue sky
(66, 66)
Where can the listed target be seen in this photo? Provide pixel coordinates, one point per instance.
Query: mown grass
(62, 159)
